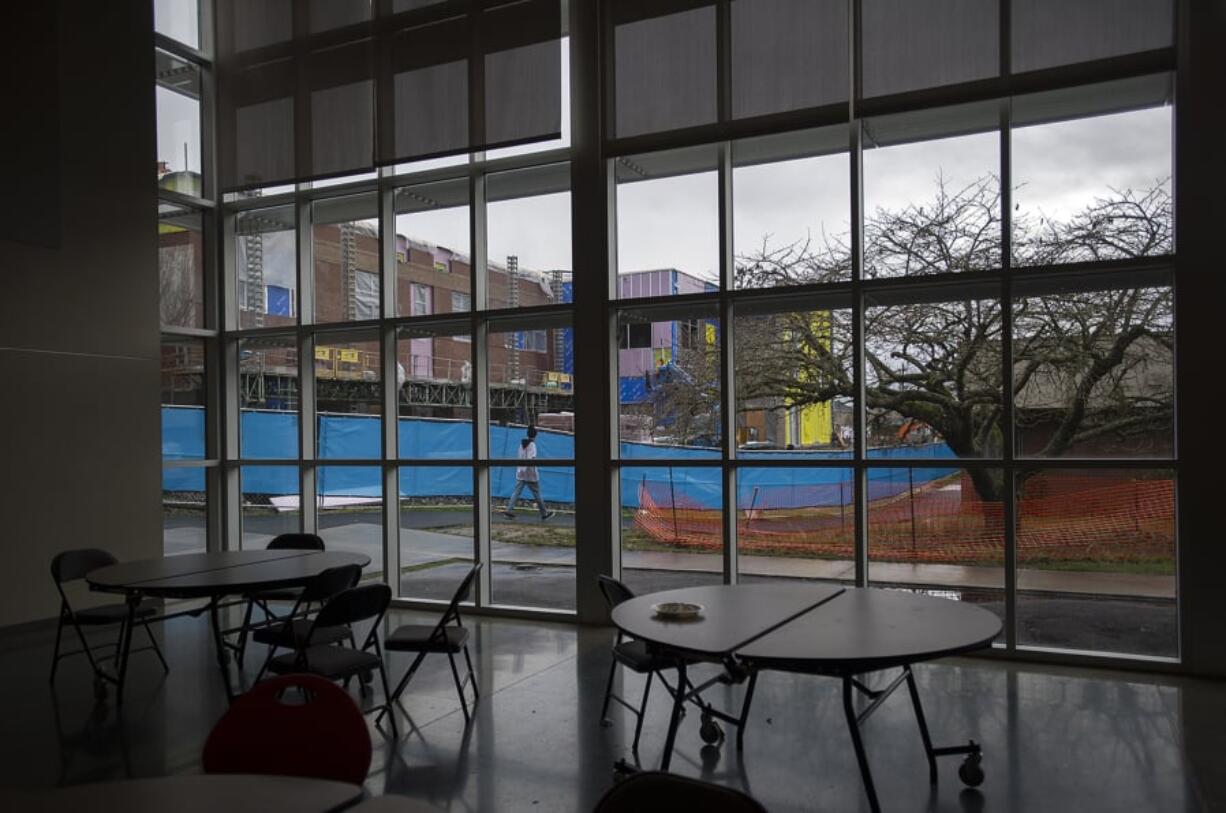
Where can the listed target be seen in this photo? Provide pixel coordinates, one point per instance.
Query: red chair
(320, 734)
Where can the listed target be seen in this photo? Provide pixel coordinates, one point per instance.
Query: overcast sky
(673, 222)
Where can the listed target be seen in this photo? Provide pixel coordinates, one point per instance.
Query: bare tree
(1090, 365)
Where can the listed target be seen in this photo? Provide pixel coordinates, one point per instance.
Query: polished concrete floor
(1054, 739)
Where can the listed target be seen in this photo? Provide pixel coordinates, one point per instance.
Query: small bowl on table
(677, 610)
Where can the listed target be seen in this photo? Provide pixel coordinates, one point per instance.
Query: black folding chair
(293, 631)
(660, 792)
(633, 655)
(448, 635)
(366, 602)
(262, 598)
(73, 565)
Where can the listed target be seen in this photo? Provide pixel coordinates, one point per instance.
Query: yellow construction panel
(323, 353)
(349, 355)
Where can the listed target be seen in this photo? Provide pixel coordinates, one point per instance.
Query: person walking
(526, 476)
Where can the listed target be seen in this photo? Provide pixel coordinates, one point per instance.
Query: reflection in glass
(436, 530)
(432, 249)
(1096, 560)
(533, 557)
(668, 368)
(531, 383)
(1083, 193)
(667, 224)
(268, 397)
(933, 378)
(529, 254)
(350, 504)
(184, 510)
(180, 266)
(348, 396)
(271, 505)
(671, 527)
(791, 209)
(1094, 372)
(794, 382)
(183, 399)
(922, 520)
(178, 19)
(932, 192)
(265, 267)
(434, 365)
(345, 248)
(177, 96)
(795, 523)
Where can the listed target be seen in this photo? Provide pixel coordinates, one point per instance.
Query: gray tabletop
(196, 793)
(731, 617)
(813, 627)
(194, 575)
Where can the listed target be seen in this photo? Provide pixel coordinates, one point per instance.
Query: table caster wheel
(605, 722)
(971, 772)
(99, 689)
(710, 731)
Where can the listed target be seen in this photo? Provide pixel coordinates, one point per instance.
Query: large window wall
(922, 340)
(887, 312)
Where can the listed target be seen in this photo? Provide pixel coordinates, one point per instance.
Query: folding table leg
(675, 720)
(125, 646)
(220, 644)
(853, 726)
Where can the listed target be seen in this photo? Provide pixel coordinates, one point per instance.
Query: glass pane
(795, 523)
(183, 399)
(184, 510)
(434, 365)
(791, 203)
(1096, 561)
(1083, 193)
(178, 19)
(528, 228)
(531, 384)
(665, 72)
(932, 192)
(1058, 32)
(181, 266)
(268, 397)
(345, 245)
(671, 527)
(933, 378)
(265, 265)
(532, 536)
(794, 379)
(178, 125)
(432, 249)
(668, 373)
(350, 504)
(270, 504)
(787, 55)
(914, 44)
(923, 520)
(667, 224)
(436, 530)
(348, 396)
(1094, 372)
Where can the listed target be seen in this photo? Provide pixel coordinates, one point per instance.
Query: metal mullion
(666, 302)
(186, 200)
(727, 378)
(178, 331)
(793, 462)
(666, 463)
(855, 135)
(391, 389)
(226, 519)
(1008, 439)
(480, 446)
(182, 50)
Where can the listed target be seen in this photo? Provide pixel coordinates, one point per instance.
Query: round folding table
(213, 576)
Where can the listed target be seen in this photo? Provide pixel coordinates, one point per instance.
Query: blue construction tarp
(270, 435)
